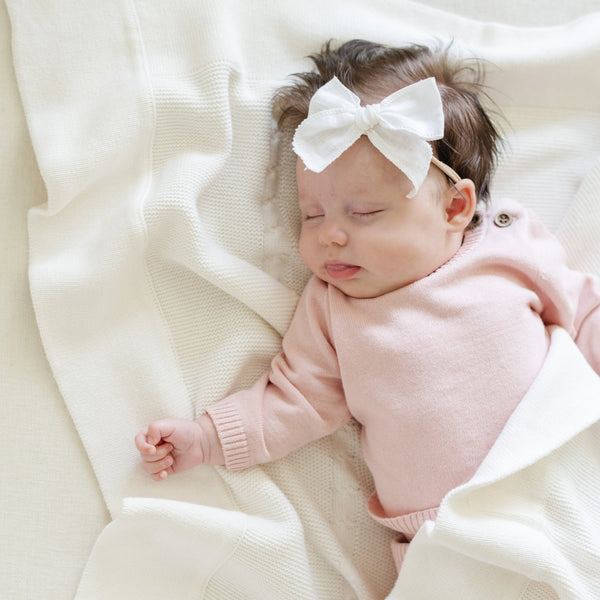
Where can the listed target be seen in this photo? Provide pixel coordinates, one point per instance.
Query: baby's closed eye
(312, 216)
(367, 213)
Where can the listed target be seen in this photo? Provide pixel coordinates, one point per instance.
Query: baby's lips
(339, 270)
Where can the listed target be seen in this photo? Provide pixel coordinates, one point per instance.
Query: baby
(427, 316)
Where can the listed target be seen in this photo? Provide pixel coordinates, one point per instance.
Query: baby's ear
(461, 203)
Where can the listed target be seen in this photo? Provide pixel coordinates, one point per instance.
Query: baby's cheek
(306, 249)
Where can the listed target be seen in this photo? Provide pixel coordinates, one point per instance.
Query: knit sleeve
(570, 299)
(300, 400)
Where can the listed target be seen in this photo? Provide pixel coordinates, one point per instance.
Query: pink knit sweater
(432, 371)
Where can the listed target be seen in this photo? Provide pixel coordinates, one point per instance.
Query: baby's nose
(331, 233)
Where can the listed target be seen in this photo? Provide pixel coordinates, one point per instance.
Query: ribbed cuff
(408, 523)
(232, 436)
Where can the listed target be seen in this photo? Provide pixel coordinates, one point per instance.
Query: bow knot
(400, 127)
(367, 117)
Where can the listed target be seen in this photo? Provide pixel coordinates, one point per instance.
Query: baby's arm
(172, 445)
(300, 400)
(570, 298)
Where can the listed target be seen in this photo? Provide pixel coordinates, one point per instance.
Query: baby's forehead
(358, 172)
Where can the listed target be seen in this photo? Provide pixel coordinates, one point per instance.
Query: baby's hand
(171, 445)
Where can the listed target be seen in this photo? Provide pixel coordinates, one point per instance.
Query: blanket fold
(159, 549)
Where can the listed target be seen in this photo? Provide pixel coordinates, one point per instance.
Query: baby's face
(361, 233)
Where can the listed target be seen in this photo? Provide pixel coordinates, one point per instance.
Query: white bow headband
(400, 127)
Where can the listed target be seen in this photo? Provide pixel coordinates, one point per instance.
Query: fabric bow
(400, 127)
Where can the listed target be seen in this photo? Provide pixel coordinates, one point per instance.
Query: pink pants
(406, 525)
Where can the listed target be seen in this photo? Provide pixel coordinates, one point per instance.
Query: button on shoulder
(503, 219)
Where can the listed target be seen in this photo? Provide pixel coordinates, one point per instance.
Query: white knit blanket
(164, 266)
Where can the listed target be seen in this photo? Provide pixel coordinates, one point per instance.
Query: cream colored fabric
(163, 268)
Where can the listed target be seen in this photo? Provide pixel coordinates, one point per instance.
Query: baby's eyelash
(368, 213)
(357, 213)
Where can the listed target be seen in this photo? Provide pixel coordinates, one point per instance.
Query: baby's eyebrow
(310, 206)
(364, 201)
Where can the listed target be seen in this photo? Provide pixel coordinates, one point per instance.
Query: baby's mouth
(340, 270)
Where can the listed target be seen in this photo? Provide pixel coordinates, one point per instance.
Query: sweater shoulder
(511, 226)
(503, 213)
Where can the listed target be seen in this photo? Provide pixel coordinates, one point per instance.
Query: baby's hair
(372, 71)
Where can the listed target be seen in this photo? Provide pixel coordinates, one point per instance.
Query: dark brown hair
(372, 71)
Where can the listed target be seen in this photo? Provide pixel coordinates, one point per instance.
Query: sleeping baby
(427, 316)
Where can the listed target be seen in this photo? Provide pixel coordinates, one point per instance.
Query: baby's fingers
(143, 445)
(162, 475)
(159, 469)
(160, 452)
(159, 430)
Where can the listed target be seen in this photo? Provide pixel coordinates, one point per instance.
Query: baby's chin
(358, 290)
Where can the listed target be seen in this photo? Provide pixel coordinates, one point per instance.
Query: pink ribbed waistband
(408, 524)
